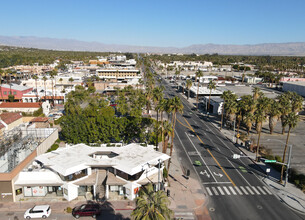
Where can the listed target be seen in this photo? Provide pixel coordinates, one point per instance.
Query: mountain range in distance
(275, 49)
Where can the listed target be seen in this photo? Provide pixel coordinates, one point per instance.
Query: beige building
(9, 120)
(118, 73)
(19, 107)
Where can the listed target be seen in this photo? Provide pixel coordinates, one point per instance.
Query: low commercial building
(19, 107)
(18, 149)
(109, 171)
(13, 89)
(9, 120)
(298, 87)
(118, 73)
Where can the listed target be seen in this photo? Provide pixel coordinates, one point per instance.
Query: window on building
(5, 93)
(15, 93)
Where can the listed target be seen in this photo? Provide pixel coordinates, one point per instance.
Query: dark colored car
(86, 210)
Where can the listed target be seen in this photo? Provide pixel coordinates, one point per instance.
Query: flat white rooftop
(131, 158)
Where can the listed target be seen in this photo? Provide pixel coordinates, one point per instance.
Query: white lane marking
(249, 189)
(217, 182)
(188, 155)
(267, 190)
(244, 190)
(215, 191)
(260, 189)
(238, 190)
(227, 191)
(201, 157)
(231, 188)
(184, 213)
(209, 191)
(255, 190)
(220, 190)
(238, 172)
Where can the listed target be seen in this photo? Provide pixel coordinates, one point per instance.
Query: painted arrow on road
(218, 174)
(205, 173)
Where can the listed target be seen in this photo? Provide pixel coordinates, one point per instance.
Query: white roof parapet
(130, 158)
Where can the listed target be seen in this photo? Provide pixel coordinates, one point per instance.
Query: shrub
(53, 147)
(38, 112)
(57, 141)
(69, 210)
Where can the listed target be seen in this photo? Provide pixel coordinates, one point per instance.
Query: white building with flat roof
(109, 171)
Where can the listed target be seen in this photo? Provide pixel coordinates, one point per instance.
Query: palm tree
(52, 76)
(1, 73)
(151, 205)
(226, 95)
(166, 134)
(274, 114)
(248, 119)
(211, 86)
(260, 117)
(189, 84)
(198, 75)
(45, 90)
(157, 95)
(175, 105)
(35, 77)
(291, 120)
(60, 80)
(71, 81)
(256, 93)
(285, 109)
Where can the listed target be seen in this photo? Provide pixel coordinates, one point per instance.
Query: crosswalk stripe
(238, 190)
(249, 189)
(227, 191)
(255, 190)
(260, 189)
(220, 190)
(231, 188)
(209, 191)
(244, 190)
(267, 190)
(215, 191)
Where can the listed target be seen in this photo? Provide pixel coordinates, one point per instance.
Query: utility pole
(233, 138)
(159, 174)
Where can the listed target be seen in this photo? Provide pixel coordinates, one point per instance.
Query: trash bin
(188, 172)
(168, 193)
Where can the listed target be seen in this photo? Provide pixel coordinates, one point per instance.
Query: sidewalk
(186, 195)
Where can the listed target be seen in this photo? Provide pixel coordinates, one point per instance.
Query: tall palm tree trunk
(197, 93)
(172, 141)
(257, 148)
(284, 155)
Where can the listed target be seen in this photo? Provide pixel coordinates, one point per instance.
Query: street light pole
(288, 165)
(234, 132)
(159, 176)
(288, 162)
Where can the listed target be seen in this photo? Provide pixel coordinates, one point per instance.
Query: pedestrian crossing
(238, 190)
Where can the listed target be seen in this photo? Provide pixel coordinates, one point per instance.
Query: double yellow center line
(191, 128)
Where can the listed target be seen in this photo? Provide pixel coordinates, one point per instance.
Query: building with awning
(108, 171)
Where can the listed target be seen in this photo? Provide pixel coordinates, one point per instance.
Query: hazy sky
(157, 22)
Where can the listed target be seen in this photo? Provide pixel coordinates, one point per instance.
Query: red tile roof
(20, 105)
(9, 117)
(50, 97)
(40, 119)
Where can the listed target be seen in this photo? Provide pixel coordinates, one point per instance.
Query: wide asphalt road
(233, 186)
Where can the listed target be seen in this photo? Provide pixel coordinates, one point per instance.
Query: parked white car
(38, 211)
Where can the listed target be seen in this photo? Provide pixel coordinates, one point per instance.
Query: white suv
(38, 211)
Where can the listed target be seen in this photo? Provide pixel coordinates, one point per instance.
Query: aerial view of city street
(170, 110)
